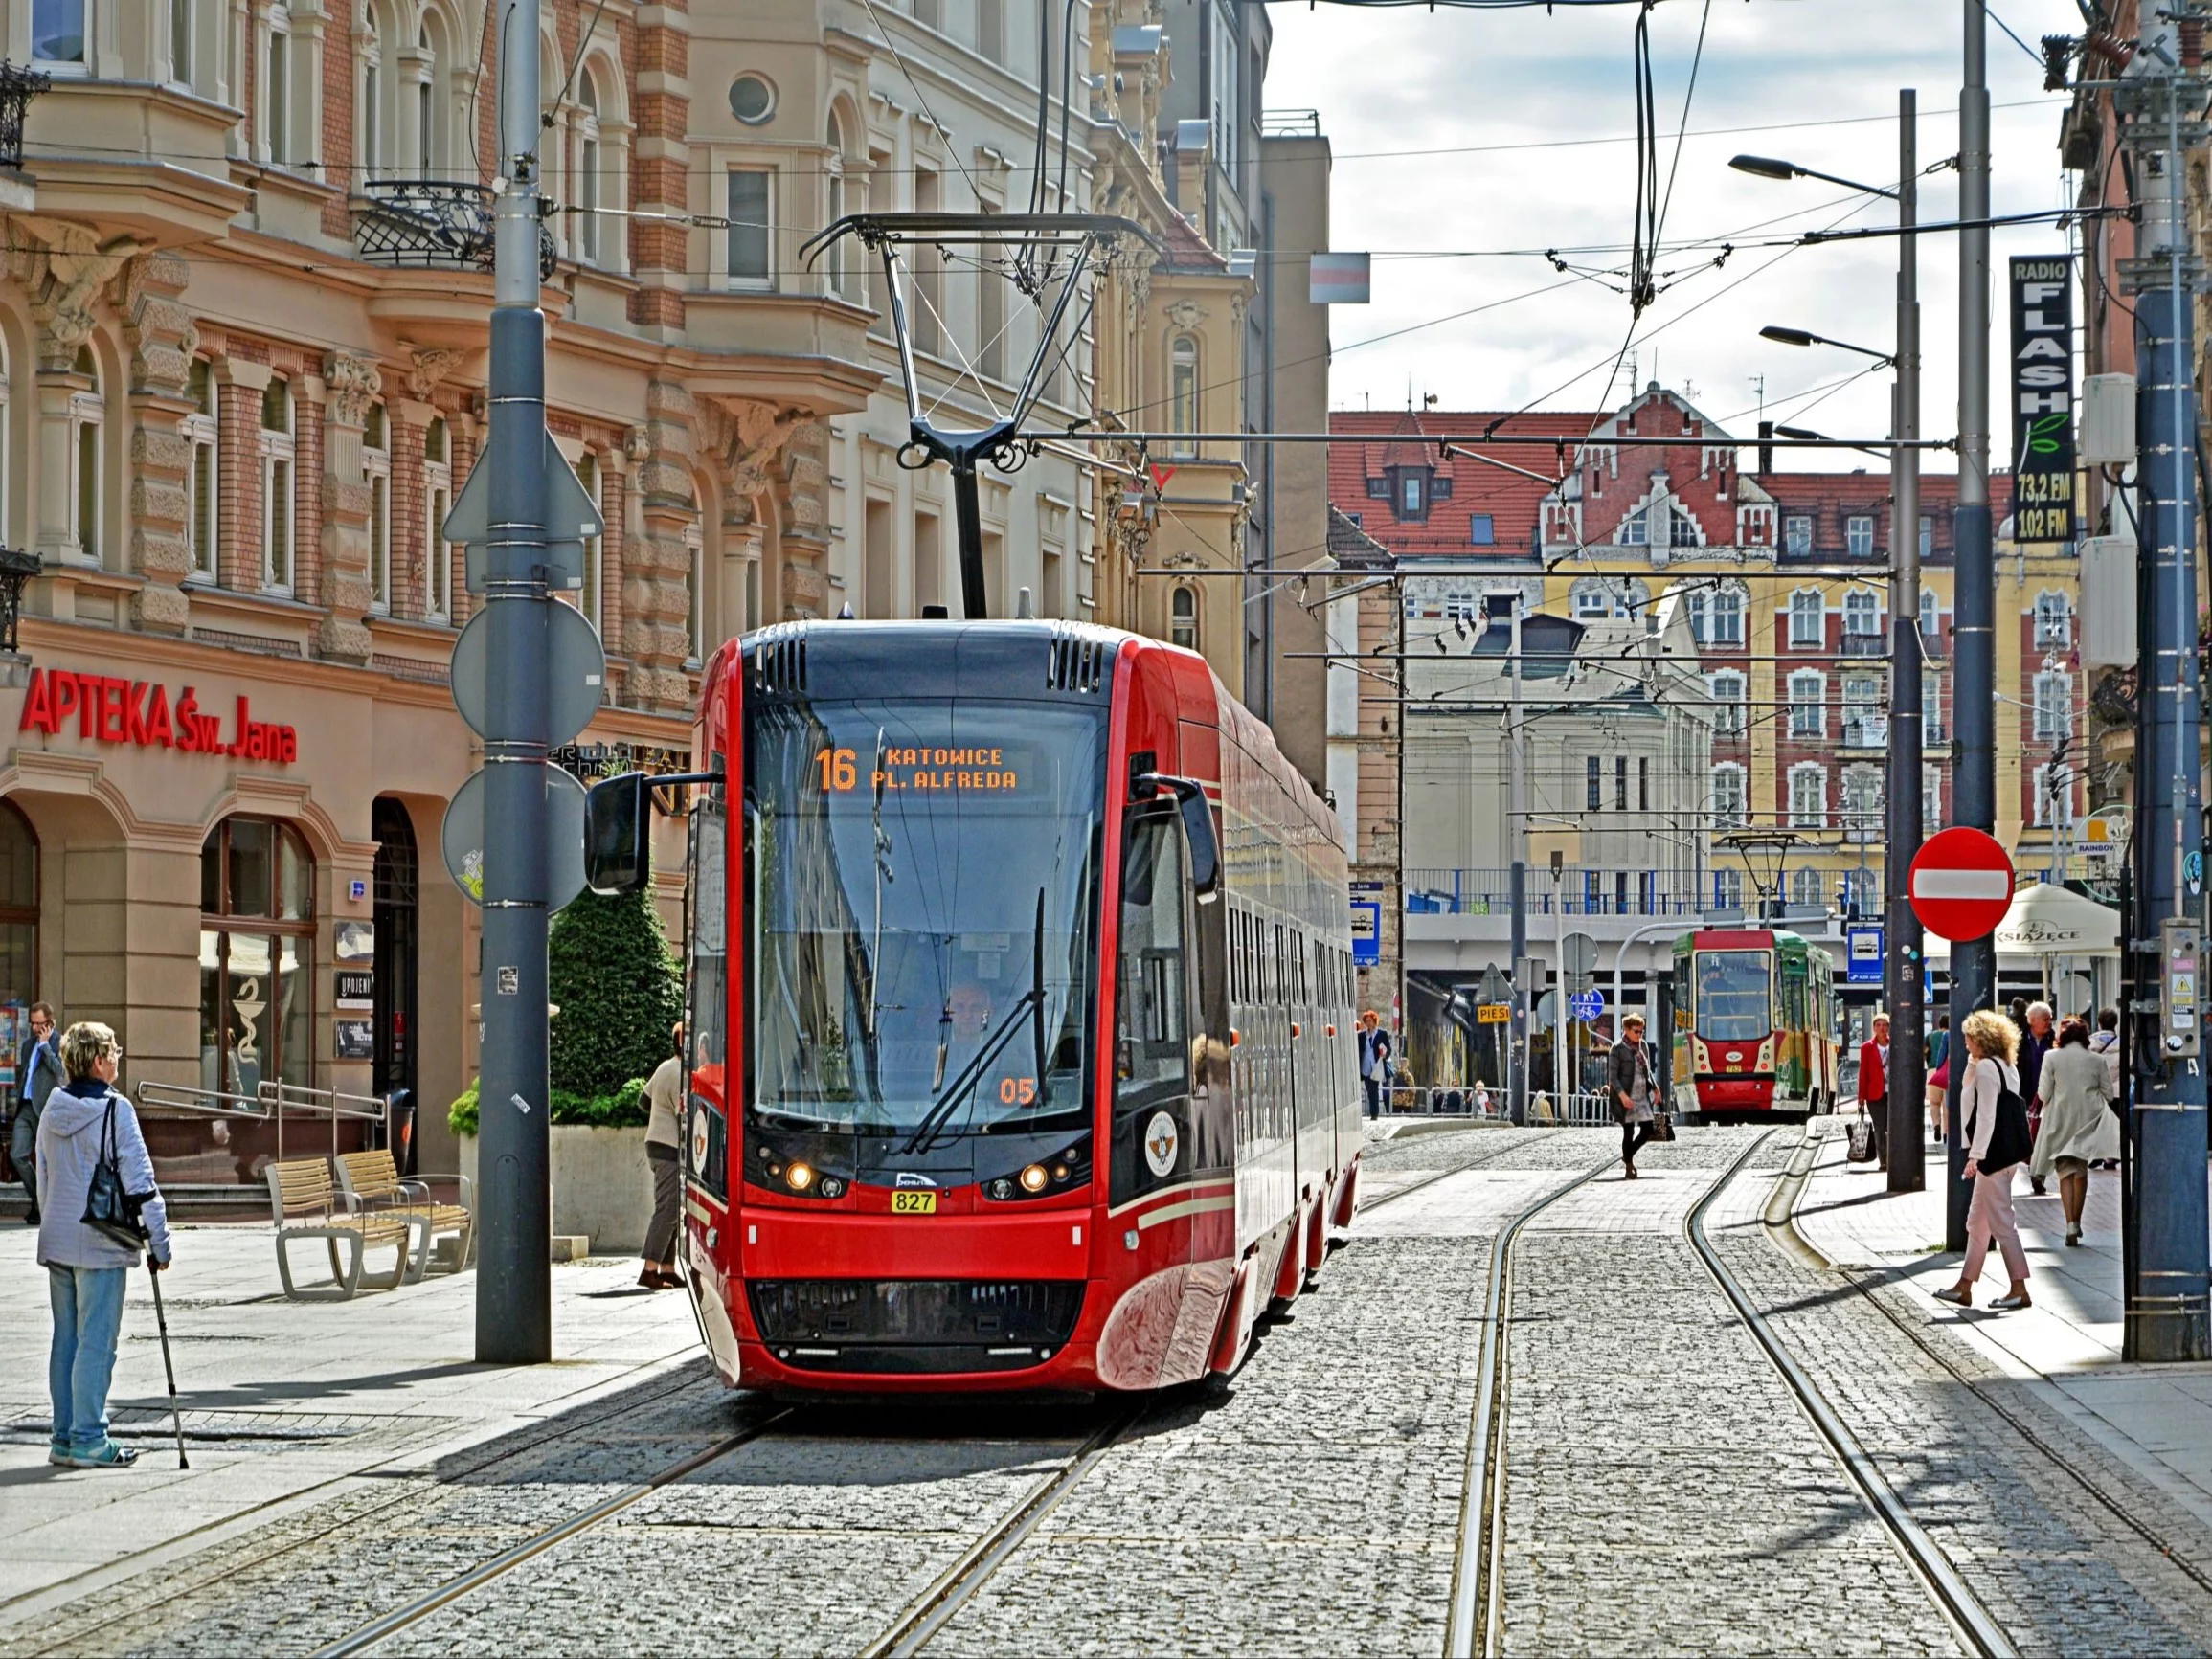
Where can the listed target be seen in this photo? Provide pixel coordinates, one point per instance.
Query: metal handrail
(334, 1104)
(182, 1097)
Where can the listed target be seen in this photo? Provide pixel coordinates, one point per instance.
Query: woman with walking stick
(86, 1123)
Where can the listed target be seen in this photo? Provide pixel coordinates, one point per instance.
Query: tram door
(1152, 1124)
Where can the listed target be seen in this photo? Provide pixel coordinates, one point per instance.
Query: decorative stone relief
(429, 365)
(1186, 313)
(62, 266)
(351, 385)
(158, 329)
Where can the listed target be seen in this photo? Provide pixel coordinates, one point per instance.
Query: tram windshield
(924, 878)
(1733, 1005)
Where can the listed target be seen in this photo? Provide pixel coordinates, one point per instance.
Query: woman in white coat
(2078, 1123)
(1990, 1041)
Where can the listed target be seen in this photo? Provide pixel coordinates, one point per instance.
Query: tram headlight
(798, 1176)
(1034, 1177)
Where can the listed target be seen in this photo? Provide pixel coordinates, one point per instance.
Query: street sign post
(1586, 1006)
(1961, 884)
(1862, 965)
(1493, 1013)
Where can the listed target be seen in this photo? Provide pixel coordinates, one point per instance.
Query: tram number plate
(914, 1203)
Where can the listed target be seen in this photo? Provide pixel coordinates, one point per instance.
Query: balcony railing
(432, 224)
(18, 88)
(1486, 893)
(1866, 645)
(16, 568)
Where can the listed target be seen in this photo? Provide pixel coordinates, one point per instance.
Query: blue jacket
(37, 1074)
(69, 1135)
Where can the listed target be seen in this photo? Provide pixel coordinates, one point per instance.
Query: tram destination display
(2043, 398)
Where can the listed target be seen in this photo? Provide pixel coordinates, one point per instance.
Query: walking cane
(161, 1321)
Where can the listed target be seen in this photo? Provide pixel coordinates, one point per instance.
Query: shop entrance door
(392, 1055)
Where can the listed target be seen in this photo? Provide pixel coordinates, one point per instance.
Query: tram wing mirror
(617, 817)
(1197, 827)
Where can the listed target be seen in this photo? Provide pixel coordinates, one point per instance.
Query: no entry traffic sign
(1961, 884)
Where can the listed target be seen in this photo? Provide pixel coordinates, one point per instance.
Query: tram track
(922, 1618)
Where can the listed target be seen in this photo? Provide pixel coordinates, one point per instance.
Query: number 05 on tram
(1020, 1033)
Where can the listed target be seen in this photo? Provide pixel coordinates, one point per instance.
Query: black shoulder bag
(109, 1210)
(2010, 1141)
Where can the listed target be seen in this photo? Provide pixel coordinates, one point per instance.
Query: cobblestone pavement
(2054, 1566)
(1664, 1491)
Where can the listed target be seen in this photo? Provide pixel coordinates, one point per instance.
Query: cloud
(1410, 79)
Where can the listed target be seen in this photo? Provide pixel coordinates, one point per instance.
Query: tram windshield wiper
(1032, 1002)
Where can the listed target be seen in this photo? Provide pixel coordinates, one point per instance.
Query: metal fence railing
(1581, 1107)
(272, 1102)
(1584, 892)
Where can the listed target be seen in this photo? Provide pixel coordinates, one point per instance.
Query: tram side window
(1153, 1007)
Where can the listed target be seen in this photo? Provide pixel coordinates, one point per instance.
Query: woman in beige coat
(2078, 1125)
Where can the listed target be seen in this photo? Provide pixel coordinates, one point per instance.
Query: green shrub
(619, 989)
(624, 1109)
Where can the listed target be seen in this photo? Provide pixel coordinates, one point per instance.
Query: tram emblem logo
(907, 1179)
(1159, 1143)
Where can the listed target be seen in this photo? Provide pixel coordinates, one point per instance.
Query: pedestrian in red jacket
(1874, 1085)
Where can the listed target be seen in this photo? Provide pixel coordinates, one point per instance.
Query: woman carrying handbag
(1993, 1122)
(1627, 1081)
(97, 1176)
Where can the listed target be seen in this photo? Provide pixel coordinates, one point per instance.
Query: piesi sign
(108, 708)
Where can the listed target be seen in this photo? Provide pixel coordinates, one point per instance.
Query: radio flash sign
(2042, 399)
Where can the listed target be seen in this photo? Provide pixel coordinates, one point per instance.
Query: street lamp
(1766, 166)
(1801, 337)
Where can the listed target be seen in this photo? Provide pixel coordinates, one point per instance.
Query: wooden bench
(371, 1185)
(305, 1205)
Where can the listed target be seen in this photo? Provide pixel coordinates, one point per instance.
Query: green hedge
(615, 979)
(624, 1109)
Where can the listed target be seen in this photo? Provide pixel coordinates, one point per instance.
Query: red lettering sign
(137, 713)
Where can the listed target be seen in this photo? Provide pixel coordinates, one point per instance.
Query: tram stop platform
(284, 1403)
(2157, 1419)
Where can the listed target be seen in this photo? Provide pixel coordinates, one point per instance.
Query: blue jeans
(87, 1320)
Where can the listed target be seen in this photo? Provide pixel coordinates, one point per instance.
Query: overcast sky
(1471, 86)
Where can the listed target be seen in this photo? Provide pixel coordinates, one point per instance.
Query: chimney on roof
(1766, 447)
(1193, 147)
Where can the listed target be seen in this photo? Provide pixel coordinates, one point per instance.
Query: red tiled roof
(1402, 439)
(1832, 497)
(1187, 249)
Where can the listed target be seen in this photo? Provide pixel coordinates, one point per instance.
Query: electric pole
(1907, 1156)
(1517, 843)
(514, 1276)
(1973, 631)
(2161, 100)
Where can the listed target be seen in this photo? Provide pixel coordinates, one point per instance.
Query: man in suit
(1874, 1085)
(37, 1072)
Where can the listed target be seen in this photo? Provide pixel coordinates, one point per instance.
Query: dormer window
(1409, 501)
(1410, 489)
(1379, 487)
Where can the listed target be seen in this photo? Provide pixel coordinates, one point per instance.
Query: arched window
(434, 57)
(436, 501)
(694, 598)
(2054, 621)
(87, 417)
(1183, 389)
(257, 957)
(587, 190)
(1183, 617)
(18, 913)
(370, 99)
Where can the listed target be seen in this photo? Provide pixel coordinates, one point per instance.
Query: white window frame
(1808, 698)
(1808, 606)
(202, 432)
(82, 63)
(279, 457)
(1728, 616)
(1797, 534)
(592, 597)
(1178, 623)
(589, 151)
(1930, 614)
(376, 472)
(1808, 888)
(1859, 892)
(766, 278)
(1862, 613)
(1732, 804)
(2054, 621)
(1858, 535)
(88, 440)
(2054, 714)
(1931, 800)
(2040, 810)
(1932, 729)
(695, 586)
(435, 551)
(1727, 888)
(1862, 822)
(275, 91)
(1801, 814)
(1859, 710)
(1727, 691)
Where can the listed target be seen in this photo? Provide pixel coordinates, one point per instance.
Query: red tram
(1021, 1040)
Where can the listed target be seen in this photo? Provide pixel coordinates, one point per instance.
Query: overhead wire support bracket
(1084, 239)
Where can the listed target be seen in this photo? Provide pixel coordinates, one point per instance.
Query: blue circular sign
(1586, 1004)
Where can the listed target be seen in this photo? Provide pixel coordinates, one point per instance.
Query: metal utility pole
(514, 1276)
(2166, 1312)
(1517, 841)
(1907, 1090)
(1974, 630)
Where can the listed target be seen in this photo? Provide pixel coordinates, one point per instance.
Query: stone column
(654, 598)
(159, 331)
(353, 384)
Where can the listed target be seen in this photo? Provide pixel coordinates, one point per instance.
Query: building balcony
(432, 224)
(1583, 892)
(1864, 645)
(18, 86)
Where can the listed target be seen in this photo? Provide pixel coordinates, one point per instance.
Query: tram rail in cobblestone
(1943, 1582)
(1473, 1626)
(1782, 1218)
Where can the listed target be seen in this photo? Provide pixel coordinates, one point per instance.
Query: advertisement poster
(2041, 383)
(356, 1039)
